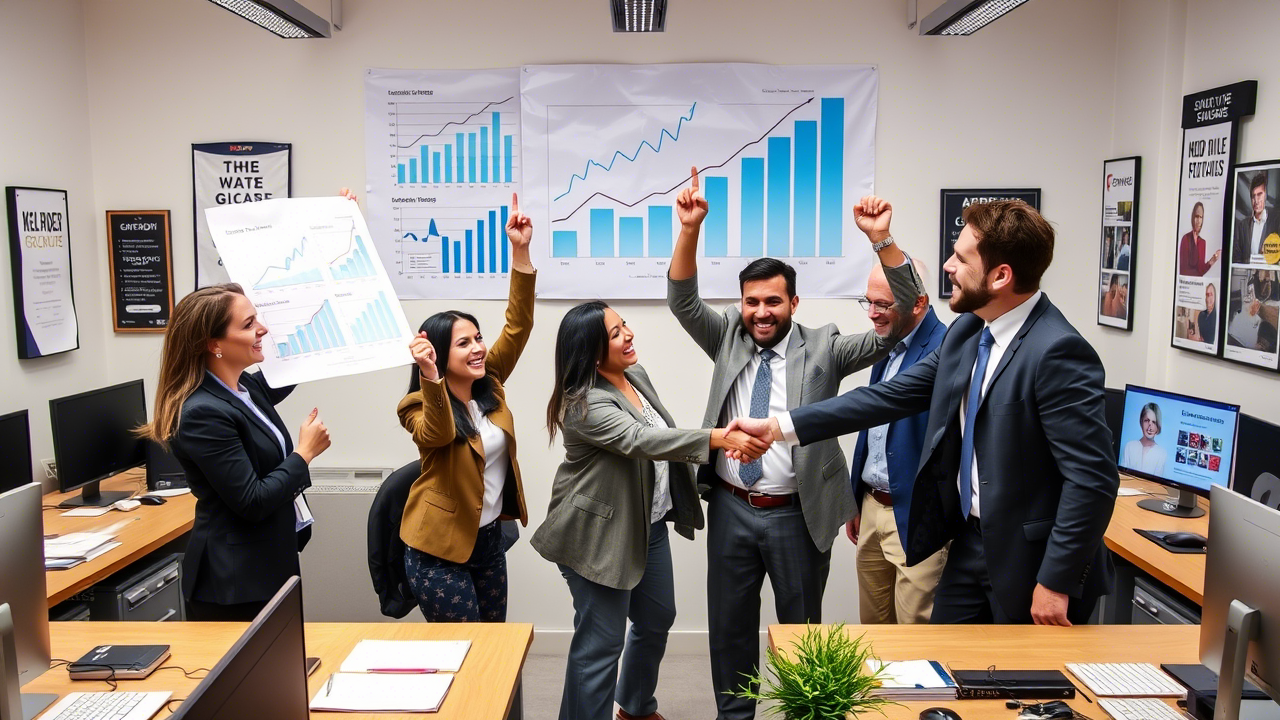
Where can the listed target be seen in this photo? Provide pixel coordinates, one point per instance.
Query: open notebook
(406, 656)
(379, 692)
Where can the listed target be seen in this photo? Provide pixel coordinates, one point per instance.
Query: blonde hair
(198, 318)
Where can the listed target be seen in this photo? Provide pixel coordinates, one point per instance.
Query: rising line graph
(632, 157)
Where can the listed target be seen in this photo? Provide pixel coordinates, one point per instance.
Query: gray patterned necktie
(751, 472)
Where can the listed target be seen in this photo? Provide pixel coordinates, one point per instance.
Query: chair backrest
(386, 550)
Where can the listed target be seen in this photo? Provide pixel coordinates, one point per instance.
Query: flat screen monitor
(1257, 473)
(164, 472)
(15, 451)
(264, 675)
(25, 637)
(1182, 442)
(93, 439)
(1115, 416)
(1240, 622)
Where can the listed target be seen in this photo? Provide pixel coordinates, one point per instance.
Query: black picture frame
(1235, 267)
(26, 344)
(140, 253)
(1115, 180)
(953, 203)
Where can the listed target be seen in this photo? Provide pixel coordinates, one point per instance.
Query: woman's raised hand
(424, 354)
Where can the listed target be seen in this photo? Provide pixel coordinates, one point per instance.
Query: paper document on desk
(362, 692)
(406, 656)
(54, 563)
(76, 545)
(913, 680)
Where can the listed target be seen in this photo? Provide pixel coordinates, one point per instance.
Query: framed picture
(44, 305)
(1252, 296)
(141, 270)
(953, 204)
(1117, 258)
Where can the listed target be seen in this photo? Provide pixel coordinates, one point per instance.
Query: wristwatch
(882, 244)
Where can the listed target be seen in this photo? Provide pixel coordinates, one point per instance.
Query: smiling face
(467, 352)
(621, 353)
(969, 287)
(241, 346)
(767, 309)
(1150, 426)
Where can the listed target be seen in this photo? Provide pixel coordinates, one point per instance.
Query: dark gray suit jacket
(817, 360)
(1047, 472)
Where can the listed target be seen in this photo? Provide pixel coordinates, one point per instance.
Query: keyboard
(108, 706)
(1126, 680)
(1140, 709)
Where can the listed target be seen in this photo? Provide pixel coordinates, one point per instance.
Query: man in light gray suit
(776, 516)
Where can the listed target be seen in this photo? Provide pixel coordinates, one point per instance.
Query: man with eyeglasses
(884, 469)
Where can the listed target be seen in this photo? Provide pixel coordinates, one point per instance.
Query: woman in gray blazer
(624, 476)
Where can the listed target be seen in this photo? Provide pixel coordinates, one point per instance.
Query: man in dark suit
(1017, 469)
(884, 468)
(1257, 225)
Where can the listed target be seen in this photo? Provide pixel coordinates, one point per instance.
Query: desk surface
(1182, 572)
(150, 527)
(482, 690)
(1010, 647)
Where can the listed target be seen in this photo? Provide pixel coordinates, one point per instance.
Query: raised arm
(703, 323)
(427, 414)
(505, 352)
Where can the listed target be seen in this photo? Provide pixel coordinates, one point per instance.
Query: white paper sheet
(406, 656)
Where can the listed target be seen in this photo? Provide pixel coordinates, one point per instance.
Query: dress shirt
(1259, 225)
(494, 442)
(778, 475)
(662, 502)
(875, 473)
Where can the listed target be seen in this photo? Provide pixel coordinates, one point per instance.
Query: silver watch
(882, 244)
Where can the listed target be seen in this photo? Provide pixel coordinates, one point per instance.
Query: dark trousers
(600, 637)
(473, 591)
(744, 544)
(964, 592)
(198, 611)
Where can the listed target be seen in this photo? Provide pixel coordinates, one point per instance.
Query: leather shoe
(624, 715)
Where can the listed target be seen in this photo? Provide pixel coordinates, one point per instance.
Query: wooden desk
(1010, 647)
(150, 527)
(483, 689)
(1182, 572)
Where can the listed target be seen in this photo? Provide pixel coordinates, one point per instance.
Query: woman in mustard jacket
(457, 412)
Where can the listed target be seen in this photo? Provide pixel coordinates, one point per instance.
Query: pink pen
(408, 671)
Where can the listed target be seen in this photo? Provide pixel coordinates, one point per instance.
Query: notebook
(406, 656)
(119, 662)
(377, 693)
(1039, 684)
(924, 680)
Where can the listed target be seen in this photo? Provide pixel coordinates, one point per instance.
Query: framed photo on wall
(44, 305)
(1118, 253)
(1252, 299)
(953, 204)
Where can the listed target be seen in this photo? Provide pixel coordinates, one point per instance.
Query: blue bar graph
(493, 241)
(444, 256)
(752, 207)
(357, 265)
(284, 275)
(318, 333)
(830, 213)
(779, 182)
(479, 153)
(413, 170)
(458, 153)
(484, 154)
(435, 168)
(425, 164)
(400, 173)
(480, 245)
(564, 243)
(717, 222)
(497, 133)
(471, 157)
(470, 254)
(375, 323)
(506, 261)
(602, 233)
(448, 163)
(506, 157)
(806, 189)
(659, 231)
(630, 237)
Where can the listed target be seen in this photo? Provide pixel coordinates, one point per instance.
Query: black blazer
(243, 545)
(1047, 474)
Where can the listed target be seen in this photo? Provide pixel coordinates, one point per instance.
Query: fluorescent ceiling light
(965, 17)
(286, 18)
(638, 15)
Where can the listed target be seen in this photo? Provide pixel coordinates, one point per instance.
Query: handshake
(746, 439)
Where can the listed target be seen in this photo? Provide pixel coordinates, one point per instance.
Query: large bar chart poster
(318, 285)
(783, 153)
(442, 157)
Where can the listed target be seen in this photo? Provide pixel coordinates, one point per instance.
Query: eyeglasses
(866, 304)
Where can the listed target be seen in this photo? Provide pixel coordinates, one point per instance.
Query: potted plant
(827, 679)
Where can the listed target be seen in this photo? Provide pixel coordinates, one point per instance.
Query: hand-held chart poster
(442, 158)
(783, 154)
(318, 285)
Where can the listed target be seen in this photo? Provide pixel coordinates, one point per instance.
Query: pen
(328, 686)
(408, 671)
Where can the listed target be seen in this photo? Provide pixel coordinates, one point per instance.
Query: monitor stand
(1179, 503)
(92, 496)
(14, 703)
(1242, 627)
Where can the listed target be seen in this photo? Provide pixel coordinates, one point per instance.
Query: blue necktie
(970, 417)
(751, 472)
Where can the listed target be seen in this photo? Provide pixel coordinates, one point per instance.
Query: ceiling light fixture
(286, 18)
(965, 17)
(638, 15)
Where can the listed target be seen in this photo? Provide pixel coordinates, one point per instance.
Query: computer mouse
(939, 713)
(151, 500)
(1185, 540)
(126, 505)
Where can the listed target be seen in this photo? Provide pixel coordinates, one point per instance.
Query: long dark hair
(439, 330)
(582, 342)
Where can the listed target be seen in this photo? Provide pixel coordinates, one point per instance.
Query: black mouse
(939, 713)
(1185, 540)
(151, 500)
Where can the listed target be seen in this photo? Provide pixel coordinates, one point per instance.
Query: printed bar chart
(357, 265)
(283, 275)
(716, 226)
(830, 212)
(320, 333)
(375, 322)
(487, 149)
(630, 237)
(752, 206)
(482, 249)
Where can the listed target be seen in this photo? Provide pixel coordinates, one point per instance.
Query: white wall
(45, 135)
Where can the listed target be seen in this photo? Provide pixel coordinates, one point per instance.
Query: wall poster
(44, 306)
(1119, 253)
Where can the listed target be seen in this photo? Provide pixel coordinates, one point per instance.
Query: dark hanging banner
(141, 270)
(1221, 104)
(953, 204)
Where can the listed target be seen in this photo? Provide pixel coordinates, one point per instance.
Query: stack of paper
(924, 680)
(377, 693)
(67, 551)
(406, 656)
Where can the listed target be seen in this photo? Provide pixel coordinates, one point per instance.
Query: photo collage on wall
(1121, 178)
(1253, 302)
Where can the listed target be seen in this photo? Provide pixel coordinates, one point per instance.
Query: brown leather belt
(881, 497)
(758, 500)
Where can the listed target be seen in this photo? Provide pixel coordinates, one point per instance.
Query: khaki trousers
(888, 590)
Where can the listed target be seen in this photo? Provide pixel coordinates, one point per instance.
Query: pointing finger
(515, 204)
(694, 176)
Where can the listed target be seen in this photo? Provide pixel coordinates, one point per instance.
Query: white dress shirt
(778, 475)
(875, 473)
(1259, 225)
(494, 442)
(662, 502)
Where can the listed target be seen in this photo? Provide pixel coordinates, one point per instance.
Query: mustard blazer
(442, 514)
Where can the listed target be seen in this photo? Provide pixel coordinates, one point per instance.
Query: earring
(217, 354)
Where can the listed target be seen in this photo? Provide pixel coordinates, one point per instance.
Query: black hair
(766, 268)
(439, 330)
(582, 343)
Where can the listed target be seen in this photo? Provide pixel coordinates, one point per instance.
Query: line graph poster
(442, 157)
(784, 152)
(318, 284)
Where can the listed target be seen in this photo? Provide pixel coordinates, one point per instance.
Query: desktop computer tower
(148, 591)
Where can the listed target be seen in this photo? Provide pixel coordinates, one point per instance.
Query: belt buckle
(752, 494)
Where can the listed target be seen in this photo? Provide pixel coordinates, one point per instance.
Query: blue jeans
(474, 591)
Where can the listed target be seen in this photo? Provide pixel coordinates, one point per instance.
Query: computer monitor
(1257, 473)
(1182, 442)
(1115, 417)
(164, 472)
(264, 675)
(15, 451)
(24, 624)
(93, 439)
(1240, 621)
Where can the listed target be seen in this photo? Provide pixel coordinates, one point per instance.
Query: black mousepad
(1156, 536)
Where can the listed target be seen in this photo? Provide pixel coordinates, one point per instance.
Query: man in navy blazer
(1017, 471)
(884, 468)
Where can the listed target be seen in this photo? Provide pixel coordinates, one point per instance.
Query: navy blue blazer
(905, 436)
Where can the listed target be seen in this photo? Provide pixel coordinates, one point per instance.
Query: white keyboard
(1126, 680)
(108, 706)
(1140, 709)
